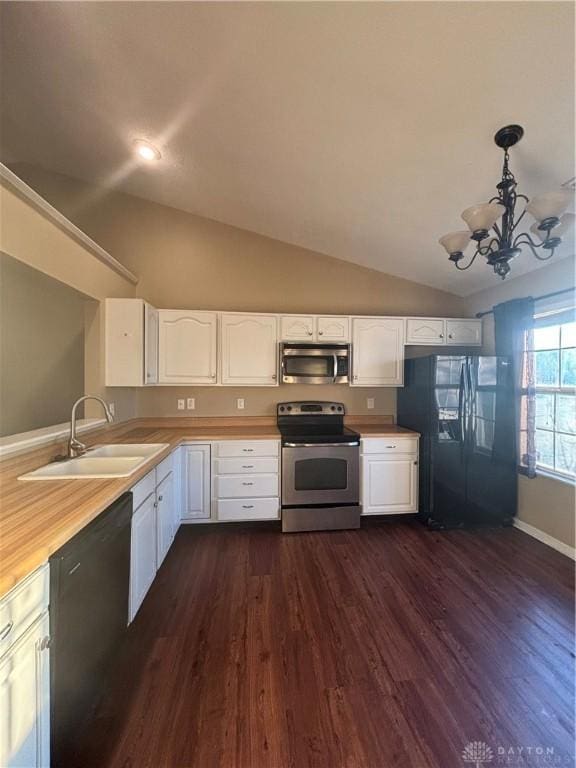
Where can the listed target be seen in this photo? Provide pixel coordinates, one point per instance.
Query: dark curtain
(514, 323)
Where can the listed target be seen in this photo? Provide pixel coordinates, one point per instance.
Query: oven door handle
(321, 445)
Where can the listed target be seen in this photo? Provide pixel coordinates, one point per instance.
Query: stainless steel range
(320, 467)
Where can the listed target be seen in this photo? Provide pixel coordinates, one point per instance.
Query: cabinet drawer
(234, 487)
(268, 465)
(248, 509)
(164, 468)
(22, 606)
(390, 445)
(143, 489)
(233, 448)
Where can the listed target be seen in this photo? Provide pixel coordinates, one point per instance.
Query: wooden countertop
(37, 518)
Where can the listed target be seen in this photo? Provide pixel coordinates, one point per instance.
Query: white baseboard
(545, 538)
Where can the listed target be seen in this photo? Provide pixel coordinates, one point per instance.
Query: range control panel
(310, 408)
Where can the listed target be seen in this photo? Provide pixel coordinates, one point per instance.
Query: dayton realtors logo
(478, 753)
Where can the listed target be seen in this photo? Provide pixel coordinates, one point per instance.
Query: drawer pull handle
(247, 466)
(247, 506)
(248, 450)
(74, 569)
(160, 498)
(390, 446)
(247, 483)
(6, 631)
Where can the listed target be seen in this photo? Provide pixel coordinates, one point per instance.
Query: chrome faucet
(75, 447)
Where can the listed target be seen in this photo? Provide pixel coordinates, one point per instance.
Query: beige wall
(41, 348)
(545, 503)
(28, 236)
(185, 261)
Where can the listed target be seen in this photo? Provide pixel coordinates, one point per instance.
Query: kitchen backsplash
(261, 401)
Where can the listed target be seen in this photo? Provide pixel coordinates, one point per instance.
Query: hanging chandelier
(504, 243)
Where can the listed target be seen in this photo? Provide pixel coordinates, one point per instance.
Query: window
(552, 345)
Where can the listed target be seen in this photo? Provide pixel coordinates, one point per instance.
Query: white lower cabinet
(155, 520)
(143, 555)
(390, 476)
(196, 482)
(246, 480)
(25, 675)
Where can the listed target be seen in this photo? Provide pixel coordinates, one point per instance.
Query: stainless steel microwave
(315, 363)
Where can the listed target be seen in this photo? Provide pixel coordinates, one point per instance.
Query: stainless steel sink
(105, 461)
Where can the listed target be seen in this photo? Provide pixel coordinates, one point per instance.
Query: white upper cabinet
(297, 328)
(333, 329)
(187, 347)
(131, 348)
(425, 330)
(378, 351)
(440, 331)
(464, 332)
(315, 328)
(150, 344)
(249, 349)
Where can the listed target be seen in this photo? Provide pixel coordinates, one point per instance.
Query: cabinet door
(124, 342)
(164, 517)
(425, 330)
(464, 332)
(378, 351)
(389, 485)
(24, 700)
(187, 347)
(249, 349)
(196, 482)
(150, 344)
(297, 328)
(142, 553)
(333, 329)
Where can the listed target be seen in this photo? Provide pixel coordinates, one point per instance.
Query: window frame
(555, 391)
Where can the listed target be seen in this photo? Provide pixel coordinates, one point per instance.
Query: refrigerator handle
(462, 407)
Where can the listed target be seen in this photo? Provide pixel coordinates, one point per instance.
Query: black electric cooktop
(313, 422)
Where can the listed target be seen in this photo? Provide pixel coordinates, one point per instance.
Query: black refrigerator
(463, 406)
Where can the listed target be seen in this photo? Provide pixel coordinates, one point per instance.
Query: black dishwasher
(89, 583)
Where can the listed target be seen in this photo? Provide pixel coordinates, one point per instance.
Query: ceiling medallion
(504, 243)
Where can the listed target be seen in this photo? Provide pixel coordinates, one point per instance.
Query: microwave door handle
(335, 358)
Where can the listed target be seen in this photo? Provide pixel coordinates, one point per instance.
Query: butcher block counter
(37, 518)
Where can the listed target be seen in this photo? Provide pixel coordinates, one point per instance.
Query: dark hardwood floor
(388, 647)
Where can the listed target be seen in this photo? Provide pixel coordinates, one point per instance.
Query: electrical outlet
(112, 408)
(181, 405)
(191, 403)
(240, 403)
(370, 403)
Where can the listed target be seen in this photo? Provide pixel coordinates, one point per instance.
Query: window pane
(545, 448)
(547, 338)
(569, 335)
(486, 405)
(566, 453)
(547, 368)
(568, 368)
(544, 411)
(565, 413)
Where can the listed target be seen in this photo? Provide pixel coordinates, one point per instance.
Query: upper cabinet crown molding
(26, 192)
(187, 347)
(248, 349)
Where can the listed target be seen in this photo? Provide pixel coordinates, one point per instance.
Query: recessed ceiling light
(146, 151)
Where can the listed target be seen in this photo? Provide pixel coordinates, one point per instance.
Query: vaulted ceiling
(360, 130)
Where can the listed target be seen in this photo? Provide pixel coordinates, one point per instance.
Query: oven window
(320, 475)
(308, 365)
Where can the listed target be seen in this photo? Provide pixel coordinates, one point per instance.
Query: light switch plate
(240, 403)
(181, 405)
(191, 403)
(370, 403)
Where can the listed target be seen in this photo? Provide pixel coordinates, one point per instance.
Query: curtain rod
(538, 298)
